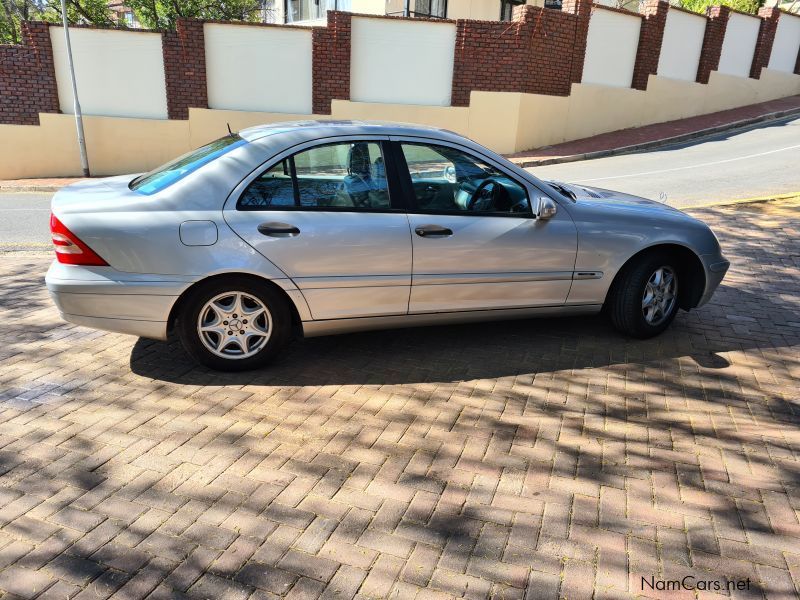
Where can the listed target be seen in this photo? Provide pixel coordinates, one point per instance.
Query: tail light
(69, 248)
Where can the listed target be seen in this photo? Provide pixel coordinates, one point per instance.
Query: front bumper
(103, 298)
(715, 266)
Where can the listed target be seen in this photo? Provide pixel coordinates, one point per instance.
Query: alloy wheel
(660, 295)
(234, 325)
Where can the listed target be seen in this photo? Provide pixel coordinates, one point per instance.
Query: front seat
(358, 182)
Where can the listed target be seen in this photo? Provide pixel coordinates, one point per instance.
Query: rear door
(476, 243)
(330, 217)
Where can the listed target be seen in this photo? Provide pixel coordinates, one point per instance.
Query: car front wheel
(233, 324)
(644, 300)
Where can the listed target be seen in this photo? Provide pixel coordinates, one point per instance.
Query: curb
(30, 189)
(753, 200)
(658, 143)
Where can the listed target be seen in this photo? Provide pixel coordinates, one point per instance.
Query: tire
(212, 306)
(628, 297)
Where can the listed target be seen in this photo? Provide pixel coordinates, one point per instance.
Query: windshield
(175, 170)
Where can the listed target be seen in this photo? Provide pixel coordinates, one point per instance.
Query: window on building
(310, 10)
(431, 8)
(507, 8)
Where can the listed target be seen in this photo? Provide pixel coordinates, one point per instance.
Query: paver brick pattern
(532, 459)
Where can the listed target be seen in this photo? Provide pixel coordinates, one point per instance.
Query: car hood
(619, 201)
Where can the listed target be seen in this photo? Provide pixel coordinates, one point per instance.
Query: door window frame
(410, 198)
(396, 196)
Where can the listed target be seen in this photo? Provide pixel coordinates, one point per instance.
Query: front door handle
(274, 229)
(433, 231)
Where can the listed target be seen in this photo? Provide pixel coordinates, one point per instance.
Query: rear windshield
(175, 170)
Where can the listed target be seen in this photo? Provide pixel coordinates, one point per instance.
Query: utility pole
(76, 105)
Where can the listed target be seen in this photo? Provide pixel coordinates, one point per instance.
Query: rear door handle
(274, 229)
(433, 231)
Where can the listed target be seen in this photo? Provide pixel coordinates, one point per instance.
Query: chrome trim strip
(335, 282)
(460, 278)
(587, 275)
(333, 326)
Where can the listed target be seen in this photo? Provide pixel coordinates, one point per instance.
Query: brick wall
(27, 77)
(185, 68)
(331, 62)
(650, 38)
(712, 42)
(766, 35)
(535, 53)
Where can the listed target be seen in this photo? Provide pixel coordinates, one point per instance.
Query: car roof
(311, 129)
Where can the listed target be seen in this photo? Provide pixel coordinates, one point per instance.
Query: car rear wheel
(644, 300)
(234, 324)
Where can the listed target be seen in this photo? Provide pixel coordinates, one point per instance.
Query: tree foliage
(153, 14)
(700, 6)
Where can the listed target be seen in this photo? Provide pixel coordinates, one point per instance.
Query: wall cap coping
(621, 11)
(687, 11)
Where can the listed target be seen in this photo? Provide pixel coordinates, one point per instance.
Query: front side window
(448, 180)
(346, 176)
(165, 175)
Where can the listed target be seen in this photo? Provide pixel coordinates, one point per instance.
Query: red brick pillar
(185, 68)
(712, 42)
(582, 9)
(650, 39)
(331, 62)
(28, 77)
(766, 35)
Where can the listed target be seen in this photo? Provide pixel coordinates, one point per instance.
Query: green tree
(162, 14)
(153, 14)
(700, 6)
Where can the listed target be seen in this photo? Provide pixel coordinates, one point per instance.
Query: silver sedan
(316, 228)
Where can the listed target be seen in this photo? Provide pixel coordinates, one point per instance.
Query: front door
(325, 216)
(476, 244)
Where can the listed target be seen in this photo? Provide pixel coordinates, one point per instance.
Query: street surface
(733, 165)
(757, 162)
(537, 459)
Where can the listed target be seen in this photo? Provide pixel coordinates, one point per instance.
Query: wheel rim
(660, 295)
(234, 325)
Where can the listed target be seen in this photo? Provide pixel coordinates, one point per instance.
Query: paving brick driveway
(535, 458)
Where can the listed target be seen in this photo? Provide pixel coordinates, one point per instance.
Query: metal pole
(76, 105)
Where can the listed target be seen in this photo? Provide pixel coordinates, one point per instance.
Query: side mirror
(545, 208)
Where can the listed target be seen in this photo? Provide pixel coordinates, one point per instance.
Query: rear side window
(175, 170)
(347, 176)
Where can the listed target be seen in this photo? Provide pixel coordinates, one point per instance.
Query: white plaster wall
(786, 44)
(265, 69)
(611, 48)
(119, 73)
(739, 45)
(367, 7)
(681, 46)
(401, 62)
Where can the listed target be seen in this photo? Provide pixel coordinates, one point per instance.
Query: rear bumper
(715, 266)
(103, 298)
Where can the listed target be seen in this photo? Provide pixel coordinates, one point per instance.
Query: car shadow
(488, 350)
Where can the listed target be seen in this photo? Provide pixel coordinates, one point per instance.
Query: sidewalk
(606, 144)
(659, 134)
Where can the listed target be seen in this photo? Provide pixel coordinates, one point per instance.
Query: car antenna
(229, 129)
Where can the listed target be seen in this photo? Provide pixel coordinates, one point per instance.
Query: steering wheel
(480, 193)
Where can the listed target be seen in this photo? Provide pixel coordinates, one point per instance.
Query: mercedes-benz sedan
(315, 228)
